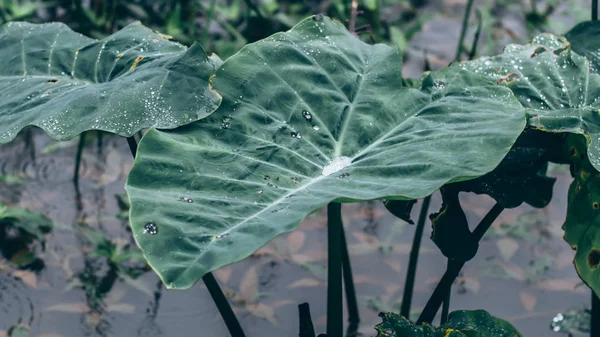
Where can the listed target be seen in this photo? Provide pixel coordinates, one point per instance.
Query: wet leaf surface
(277, 150)
(65, 83)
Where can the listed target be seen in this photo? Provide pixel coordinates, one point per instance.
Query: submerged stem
(335, 324)
(413, 259)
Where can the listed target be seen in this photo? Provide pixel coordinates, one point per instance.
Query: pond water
(523, 271)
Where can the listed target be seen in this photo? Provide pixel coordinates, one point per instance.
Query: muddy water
(523, 271)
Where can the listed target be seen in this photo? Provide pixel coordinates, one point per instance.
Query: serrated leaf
(553, 83)
(65, 83)
(461, 323)
(309, 116)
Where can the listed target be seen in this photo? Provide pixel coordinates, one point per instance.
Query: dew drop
(150, 228)
(306, 115)
(296, 135)
(266, 177)
(316, 128)
(295, 180)
(225, 125)
(336, 165)
(221, 236)
(259, 191)
(343, 175)
(272, 186)
(186, 199)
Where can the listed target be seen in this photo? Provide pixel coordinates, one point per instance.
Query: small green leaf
(401, 208)
(65, 83)
(461, 323)
(451, 229)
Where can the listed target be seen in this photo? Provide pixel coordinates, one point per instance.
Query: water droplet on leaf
(150, 228)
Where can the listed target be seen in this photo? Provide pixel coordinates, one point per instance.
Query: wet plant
(242, 150)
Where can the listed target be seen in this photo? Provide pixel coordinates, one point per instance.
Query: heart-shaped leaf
(553, 83)
(461, 323)
(584, 41)
(65, 83)
(309, 116)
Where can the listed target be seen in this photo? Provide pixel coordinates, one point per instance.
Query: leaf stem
(351, 302)
(594, 10)
(209, 16)
(473, 51)
(595, 328)
(132, 145)
(463, 30)
(335, 324)
(454, 268)
(413, 259)
(306, 325)
(233, 325)
(78, 159)
(353, 13)
(446, 303)
(231, 321)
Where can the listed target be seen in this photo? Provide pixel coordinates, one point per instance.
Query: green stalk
(413, 259)
(335, 324)
(454, 268)
(132, 145)
(595, 329)
(234, 327)
(476, 38)
(209, 15)
(594, 10)
(351, 302)
(463, 31)
(78, 159)
(306, 325)
(446, 304)
(232, 323)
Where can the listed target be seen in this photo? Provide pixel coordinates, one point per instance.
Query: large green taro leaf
(65, 83)
(553, 83)
(309, 116)
(461, 323)
(584, 41)
(582, 226)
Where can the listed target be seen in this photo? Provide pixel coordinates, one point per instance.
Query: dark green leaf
(584, 41)
(65, 83)
(451, 229)
(520, 177)
(461, 323)
(310, 116)
(400, 208)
